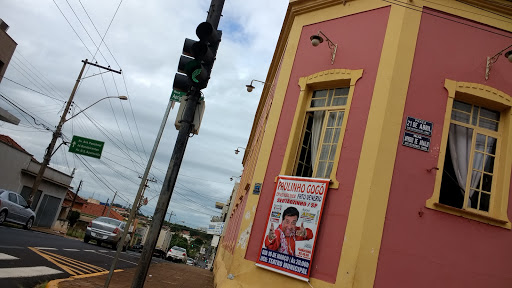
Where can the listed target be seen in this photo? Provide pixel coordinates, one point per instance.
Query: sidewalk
(170, 275)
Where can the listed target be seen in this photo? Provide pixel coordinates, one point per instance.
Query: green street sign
(86, 146)
(176, 95)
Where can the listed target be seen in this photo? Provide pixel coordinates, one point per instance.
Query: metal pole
(167, 189)
(143, 182)
(56, 134)
(141, 272)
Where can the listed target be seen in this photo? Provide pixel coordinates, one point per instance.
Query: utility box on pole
(198, 116)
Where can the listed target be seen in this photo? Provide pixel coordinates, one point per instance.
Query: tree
(73, 218)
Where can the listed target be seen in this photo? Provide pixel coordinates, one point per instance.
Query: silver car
(14, 208)
(106, 230)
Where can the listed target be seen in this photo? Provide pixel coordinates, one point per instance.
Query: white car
(177, 254)
(14, 208)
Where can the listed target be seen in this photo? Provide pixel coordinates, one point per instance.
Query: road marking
(46, 248)
(118, 258)
(104, 251)
(27, 272)
(7, 257)
(72, 266)
(90, 250)
(75, 250)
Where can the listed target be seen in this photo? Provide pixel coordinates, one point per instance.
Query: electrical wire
(92, 40)
(44, 79)
(31, 89)
(92, 22)
(93, 56)
(445, 18)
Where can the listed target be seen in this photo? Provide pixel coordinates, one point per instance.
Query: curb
(55, 283)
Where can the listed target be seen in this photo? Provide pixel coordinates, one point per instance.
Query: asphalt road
(28, 258)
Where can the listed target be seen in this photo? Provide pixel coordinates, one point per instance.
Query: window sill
(500, 222)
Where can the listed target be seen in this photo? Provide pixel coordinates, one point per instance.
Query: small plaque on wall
(416, 141)
(257, 188)
(419, 126)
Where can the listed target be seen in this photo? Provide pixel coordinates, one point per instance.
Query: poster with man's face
(292, 225)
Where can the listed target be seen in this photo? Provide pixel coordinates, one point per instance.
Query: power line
(98, 32)
(31, 88)
(443, 17)
(92, 40)
(93, 56)
(120, 2)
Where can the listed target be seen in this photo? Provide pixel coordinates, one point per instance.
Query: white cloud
(146, 39)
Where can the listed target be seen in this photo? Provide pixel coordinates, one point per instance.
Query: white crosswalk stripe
(7, 257)
(23, 272)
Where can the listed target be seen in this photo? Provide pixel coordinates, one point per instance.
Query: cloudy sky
(144, 39)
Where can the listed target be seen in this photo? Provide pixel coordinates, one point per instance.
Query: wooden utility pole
(58, 131)
(111, 203)
(74, 198)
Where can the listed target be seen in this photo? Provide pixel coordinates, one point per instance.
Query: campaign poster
(292, 226)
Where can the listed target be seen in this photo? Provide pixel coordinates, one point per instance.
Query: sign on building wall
(292, 226)
(416, 141)
(215, 228)
(419, 126)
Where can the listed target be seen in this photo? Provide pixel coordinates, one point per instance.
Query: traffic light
(196, 63)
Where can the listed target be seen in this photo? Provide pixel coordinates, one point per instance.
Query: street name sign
(86, 146)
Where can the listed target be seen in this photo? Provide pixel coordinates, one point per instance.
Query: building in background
(406, 108)
(19, 169)
(7, 47)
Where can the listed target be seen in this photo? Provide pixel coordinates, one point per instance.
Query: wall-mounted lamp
(238, 151)
(250, 87)
(493, 59)
(233, 177)
(317, 39)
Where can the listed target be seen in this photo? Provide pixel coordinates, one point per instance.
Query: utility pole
(171, 176)
(105, 207)
(74, 197)
(141, 202)
(110, 207)
(58, 131)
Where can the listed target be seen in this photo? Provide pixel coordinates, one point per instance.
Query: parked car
(14, 208)
(106, 230)
(159, 253)
(191, 262)
(177, 254)
(136, 248)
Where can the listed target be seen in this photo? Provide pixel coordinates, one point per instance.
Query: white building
(18, 170)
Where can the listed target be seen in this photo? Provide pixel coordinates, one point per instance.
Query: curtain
(460, 146)
(316, 130)
(478, 159)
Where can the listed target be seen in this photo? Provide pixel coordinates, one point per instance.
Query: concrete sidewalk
(170, 275)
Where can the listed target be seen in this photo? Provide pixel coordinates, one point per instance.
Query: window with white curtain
(321, 133)
(469, 167)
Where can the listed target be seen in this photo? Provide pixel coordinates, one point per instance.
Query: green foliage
(179, 241)
(73, 218)
(198, 242)
(77, 233)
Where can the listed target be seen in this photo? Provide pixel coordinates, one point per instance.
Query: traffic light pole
(171, 176)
